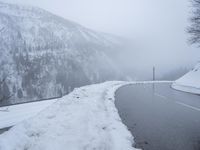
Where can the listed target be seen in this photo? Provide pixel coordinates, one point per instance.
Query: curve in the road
(159, 117)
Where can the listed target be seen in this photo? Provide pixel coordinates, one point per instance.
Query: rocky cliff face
(43, 55)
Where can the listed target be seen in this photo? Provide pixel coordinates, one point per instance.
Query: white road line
(188, 106)
(164, 97)
(180, 103)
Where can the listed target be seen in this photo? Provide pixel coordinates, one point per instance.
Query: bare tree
(194, 29)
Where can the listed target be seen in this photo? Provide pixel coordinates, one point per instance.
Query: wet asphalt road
(159, 117)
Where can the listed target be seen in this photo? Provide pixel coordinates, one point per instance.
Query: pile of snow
(86, 119)
(11, 115)
(190, 82)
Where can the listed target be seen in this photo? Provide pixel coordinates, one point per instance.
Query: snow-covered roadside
(11, 115)
(190, 82)
(85, 119)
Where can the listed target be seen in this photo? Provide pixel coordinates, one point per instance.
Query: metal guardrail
(39, 100)
(137, 82)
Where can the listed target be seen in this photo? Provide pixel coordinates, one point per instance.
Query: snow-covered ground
(190, 82)
(11, 115)
(86, 119)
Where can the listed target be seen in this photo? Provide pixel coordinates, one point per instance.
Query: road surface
(159, 117)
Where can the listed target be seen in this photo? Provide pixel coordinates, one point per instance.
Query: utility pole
(154, 73)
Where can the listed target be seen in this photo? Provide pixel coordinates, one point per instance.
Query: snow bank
(86, 119)
(190, 82)
(11, 115)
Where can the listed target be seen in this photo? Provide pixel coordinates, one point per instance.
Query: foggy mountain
(43, 55)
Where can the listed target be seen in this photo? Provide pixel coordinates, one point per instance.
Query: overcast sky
(120, 16)
(158, 25)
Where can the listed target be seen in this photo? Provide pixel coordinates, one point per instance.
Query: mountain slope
(43, 55)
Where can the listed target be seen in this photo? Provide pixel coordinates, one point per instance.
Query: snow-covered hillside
(190, 82)
(86, 119)
(43, 55)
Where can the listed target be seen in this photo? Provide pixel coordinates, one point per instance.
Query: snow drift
(86, 119)
(12, 115)
(190, 82)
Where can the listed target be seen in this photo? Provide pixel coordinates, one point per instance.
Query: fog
(157, 28)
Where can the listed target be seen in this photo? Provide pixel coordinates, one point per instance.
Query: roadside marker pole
(154, 71)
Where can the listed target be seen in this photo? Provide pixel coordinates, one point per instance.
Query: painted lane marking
(188, 106)
(180, 103)
(164, 97)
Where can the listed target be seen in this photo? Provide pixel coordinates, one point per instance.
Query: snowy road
(160, 117)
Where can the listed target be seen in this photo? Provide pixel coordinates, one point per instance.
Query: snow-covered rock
(190, 82)
(86, 119)
(43, 55)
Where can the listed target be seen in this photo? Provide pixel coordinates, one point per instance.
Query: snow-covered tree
(4, 90)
